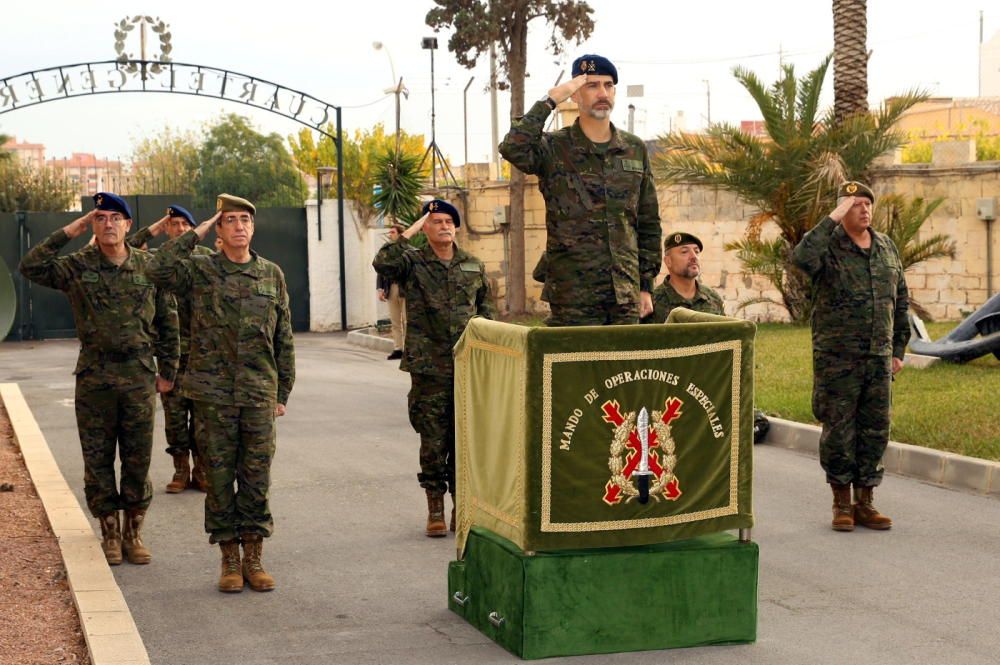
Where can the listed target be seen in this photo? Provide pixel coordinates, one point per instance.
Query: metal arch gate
(154, 76)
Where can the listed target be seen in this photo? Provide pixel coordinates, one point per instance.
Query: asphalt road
(359, 583)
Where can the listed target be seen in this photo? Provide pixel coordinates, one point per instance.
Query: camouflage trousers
(178, 417)
(115, 406)
(600, 314)
(852, 398)
(432, 414)
(239, 446)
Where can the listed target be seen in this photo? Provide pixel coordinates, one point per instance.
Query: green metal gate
(41, 313)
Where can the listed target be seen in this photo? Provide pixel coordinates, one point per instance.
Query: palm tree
(901, 219)
(850, 58)
(792, 176)
(398, 182)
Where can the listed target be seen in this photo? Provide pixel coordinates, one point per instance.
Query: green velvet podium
(686, 593)
(596, 468)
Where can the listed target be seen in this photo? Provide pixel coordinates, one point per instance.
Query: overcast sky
(325, 50)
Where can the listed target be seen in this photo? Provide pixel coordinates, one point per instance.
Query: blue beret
(437, 205)
(177, 211)
(112, 202)
(594, 64)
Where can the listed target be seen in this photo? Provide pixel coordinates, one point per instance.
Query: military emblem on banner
(642, 455)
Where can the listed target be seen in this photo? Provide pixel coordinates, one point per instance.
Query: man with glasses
(178, 411)
(122, 321)
(239, 375)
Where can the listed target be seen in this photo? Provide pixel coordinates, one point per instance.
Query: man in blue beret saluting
(445, 287)
(123, 321)
(178, 411)
(601, 212)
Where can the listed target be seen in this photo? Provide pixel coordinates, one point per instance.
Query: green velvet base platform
(681, 594)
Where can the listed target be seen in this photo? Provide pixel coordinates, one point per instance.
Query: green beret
(230, 203)
(678, 239)
(855, 188)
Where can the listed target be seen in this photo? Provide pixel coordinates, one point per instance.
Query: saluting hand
(842, 208)
(415, 227)
(156, 228)
(79, 225)
(564, 91)
(202, 229)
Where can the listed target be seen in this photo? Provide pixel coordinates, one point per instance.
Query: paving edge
(370, 339)
(957, 472)
(108, 627)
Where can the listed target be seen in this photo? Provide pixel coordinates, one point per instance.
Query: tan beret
(230, 203)
(855, 188)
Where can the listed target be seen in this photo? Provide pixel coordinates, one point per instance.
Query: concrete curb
(957, 472)
(111, 634)
(370, 339)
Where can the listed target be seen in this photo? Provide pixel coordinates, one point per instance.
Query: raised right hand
(206, 226)
(841, 210)
(564, 91)
(80, 224)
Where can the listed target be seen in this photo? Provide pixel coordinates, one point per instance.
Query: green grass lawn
(947, 406)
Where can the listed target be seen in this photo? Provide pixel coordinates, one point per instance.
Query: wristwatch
(548, 100)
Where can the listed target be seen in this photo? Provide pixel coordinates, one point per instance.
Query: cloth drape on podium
(547, 444)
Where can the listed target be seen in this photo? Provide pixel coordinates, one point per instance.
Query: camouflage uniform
(859, 324)
(242, 364)
(601, 216)
(665, 299)
(122, 321)
(440, 299)
(178, 411)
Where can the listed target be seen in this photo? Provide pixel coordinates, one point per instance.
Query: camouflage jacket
(665, 299)
(117, 310)
(242, 352)
(601, 213)
(859, 296)
(140, 238)
(440, 299)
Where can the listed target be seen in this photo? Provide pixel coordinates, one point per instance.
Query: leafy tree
(237, 159)
(5, 155)
(24, 187)
(478, 25)
(901, 219)
(165, 163)
(360, 157)
(792, 176)
(850, 58)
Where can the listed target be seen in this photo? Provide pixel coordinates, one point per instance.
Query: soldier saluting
(178, 411)
(601, 214)
(859, 336)
(122, 322)
(445, 287)
(239, 375)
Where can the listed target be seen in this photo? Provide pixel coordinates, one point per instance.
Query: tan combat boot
(199, 476)
(843, 512)
(253, 570)
(135, 551)
(182, 471)
(231, 578)
(436, 528)
(111, 538)
(865, 513)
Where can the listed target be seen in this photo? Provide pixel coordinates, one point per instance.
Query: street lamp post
(465, 121)
(431, 44)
